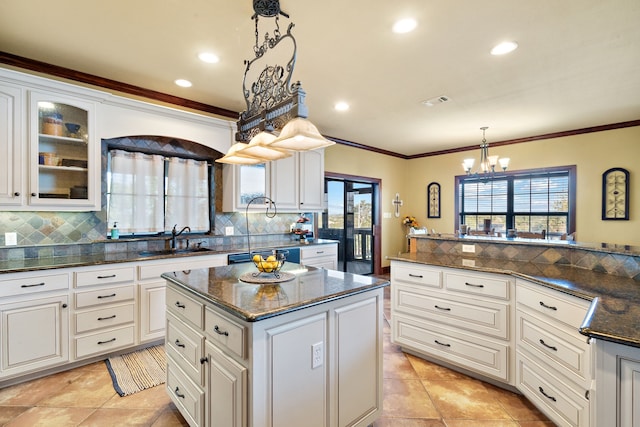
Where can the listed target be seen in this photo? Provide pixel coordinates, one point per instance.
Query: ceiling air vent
(435, 101)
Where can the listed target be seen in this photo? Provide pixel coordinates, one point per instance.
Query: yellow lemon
(256, 258)
(271, 258)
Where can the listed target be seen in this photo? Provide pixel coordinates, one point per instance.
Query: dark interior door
(350, 219)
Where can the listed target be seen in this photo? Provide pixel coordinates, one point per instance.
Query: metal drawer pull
(319, 252)
(179, 305)
(473, 285)
(442, 308)
(418, 276)
(177, 393)
(107, 318)
(546, 395)
(31, 286)
(106, 277)
(107, 296)
(204, 360)
(442, 344)
(106, 342)
(220, 332)
(179, 344)
(547, 345)
(550, 307)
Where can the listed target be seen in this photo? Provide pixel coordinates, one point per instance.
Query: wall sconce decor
(615, 194)
(433, 200)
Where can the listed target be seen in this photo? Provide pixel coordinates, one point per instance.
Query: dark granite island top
(615, 309)
(254, 302)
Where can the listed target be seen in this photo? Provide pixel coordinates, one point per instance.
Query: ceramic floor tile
(481, 423)
(465, 399)
(47, 417)
(396, 365)
(430, 371)
(115, 417)
(32, 392)
(536, 424)
(407, 399)
(7, 413)
(153, 397)
(407, 422)
(90, 390)
(516, 405)
(170, 417)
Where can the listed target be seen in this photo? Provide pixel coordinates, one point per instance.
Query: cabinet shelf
(61, 139)
(48, 168)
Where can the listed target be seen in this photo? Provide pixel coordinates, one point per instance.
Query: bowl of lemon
(269, 262)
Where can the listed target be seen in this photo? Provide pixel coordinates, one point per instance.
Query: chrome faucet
(175, 234)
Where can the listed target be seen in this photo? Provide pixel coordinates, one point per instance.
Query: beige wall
(592, 153)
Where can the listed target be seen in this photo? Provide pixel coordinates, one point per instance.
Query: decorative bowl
(269, 262)
(72, 128)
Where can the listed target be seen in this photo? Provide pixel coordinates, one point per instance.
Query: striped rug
(137, 371)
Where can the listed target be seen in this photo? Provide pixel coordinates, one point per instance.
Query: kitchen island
(305, 351)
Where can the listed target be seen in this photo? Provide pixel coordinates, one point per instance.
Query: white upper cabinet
(297, 182)
(64, 166)
(11, 193)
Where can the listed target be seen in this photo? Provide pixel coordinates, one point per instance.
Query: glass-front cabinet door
(64, 170)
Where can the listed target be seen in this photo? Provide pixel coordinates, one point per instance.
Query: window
(150, 193)
(531, 200)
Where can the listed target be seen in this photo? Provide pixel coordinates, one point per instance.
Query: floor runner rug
(137, 371)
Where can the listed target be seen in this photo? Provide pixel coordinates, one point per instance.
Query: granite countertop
(254, 302)
(54, 262)
(615, 308)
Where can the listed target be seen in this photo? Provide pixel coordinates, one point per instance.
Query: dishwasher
(291, 255)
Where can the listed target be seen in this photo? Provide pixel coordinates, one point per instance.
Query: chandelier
(487, 163)
(275, 122)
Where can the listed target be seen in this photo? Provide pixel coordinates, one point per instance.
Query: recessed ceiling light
(183, 83)
(209, 58)
(503, 48)
(341, 106)
(404, 25)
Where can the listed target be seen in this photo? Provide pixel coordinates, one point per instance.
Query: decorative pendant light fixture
(487, 163)
(272, 102)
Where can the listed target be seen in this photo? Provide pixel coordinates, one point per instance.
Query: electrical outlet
(469, 262)
(316, 355)
(469, 248)
(11, 239)
(228, 231)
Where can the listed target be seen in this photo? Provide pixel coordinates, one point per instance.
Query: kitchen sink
(173, 251)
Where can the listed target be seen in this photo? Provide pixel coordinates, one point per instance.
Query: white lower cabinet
(617, 385)
(553, 360)
(320, 366)
(35, 334)
(321, 256)
(456, 316)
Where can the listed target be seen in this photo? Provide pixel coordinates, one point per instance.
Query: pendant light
(487, 163)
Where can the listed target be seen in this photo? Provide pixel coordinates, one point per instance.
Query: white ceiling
(578, 64)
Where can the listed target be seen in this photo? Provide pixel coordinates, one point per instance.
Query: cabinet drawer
(566, 406)
(104, 342)
(185, 394)
(555, 305)
(104, 317)
(488, 317)
(318, 251)
(417, 275)
(105, 296)
(224, 331)
(568, 353)
(185, 307)
(154, 269)
(186, 347)
(20, 285)
(104, 276)
(478, 284)
(463, 349)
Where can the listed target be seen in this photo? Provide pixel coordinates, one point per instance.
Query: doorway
(352, 218)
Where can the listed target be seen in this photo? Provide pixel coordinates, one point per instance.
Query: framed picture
(433, 200)
(615, 194)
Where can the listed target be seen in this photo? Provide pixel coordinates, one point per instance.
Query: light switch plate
(317, 357)
(228, 231)
(469, 248)
(11, 239)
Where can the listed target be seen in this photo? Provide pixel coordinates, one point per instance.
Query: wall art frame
(615, 194)
(433, 200)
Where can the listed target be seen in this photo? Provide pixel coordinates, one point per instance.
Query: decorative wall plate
(615, 194)
(433, 200)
